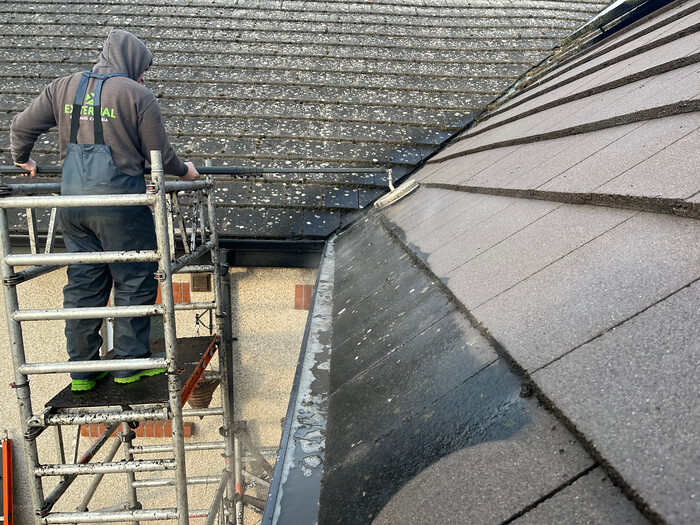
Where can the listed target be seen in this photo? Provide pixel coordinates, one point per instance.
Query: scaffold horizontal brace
(195, 306)
(88, 313)
(98, 417)
(189, 447)
(92, 366)
(170, 482)
(105, 468)
(60, 259)
(76, 201)
(111, 517)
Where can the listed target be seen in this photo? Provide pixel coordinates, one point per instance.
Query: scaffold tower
(156, 398)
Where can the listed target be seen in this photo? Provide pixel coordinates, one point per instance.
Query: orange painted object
(191, 382)
(7, 481)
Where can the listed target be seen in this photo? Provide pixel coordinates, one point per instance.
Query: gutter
(296, 483)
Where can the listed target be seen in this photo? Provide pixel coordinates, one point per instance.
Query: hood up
(123, 53)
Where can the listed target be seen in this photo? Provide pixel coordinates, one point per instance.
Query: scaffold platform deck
(146, 391)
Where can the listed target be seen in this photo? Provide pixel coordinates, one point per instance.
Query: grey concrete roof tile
(398, 322)
(671, 173)
(425, 171)
(427, 218)
(283, 223)
(493, 480)
(457, 170)
(531, 249)
(674, 50)
(476, 239)
(640, 35)
(240, 222)
(356, 251)
(494, 219)
(365, 197)
(545, 121)
(614, 51)
(640, 386)
(454, 350)
(443, 171)
(405, 208)
(267, 193)
(305, 194)
(443, 223)
(340, 198)
(544, 98)
(454, 149)
(578, 149)
(590, 499)
(669, 88)
(639, 141)
(514, 166)
(592, 289)
(568, 115)
(231, 192)
(391, 422)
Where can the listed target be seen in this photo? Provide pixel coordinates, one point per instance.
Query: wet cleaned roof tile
(424, 417)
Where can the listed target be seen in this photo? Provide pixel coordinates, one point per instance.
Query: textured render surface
(269, 332)
(290, 84)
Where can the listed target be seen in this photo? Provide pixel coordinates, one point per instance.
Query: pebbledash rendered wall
(269, 333)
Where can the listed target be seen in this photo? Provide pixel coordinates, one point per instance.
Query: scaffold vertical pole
(166, 290)
(126, 435)
(238, 474)
(21, 383)
(222, 299)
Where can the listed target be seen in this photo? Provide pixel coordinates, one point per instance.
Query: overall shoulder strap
(96, 103)
(78, 106)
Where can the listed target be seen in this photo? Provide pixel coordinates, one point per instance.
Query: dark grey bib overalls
(88, 169)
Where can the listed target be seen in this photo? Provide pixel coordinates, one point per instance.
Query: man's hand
(30, 166)
(192, 173)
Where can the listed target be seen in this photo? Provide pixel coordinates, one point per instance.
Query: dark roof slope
(564, 226)
(427, 423)
(295, 83)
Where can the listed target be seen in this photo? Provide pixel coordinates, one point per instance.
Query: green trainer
(138, 375)
(83, 385)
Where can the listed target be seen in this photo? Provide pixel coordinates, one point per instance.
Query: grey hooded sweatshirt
(131, 118)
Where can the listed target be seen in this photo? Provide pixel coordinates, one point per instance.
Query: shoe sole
(138, 375)
(83, 385)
